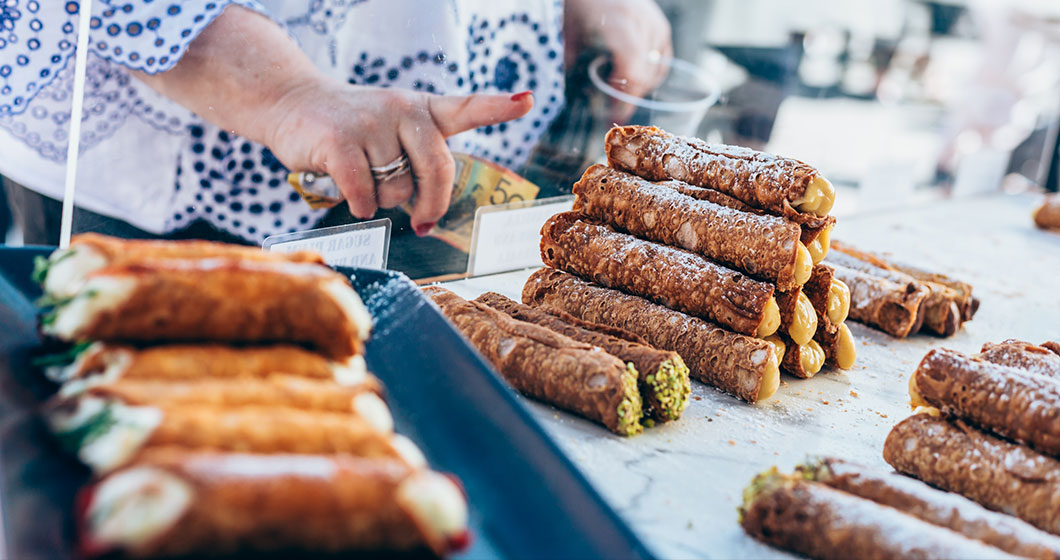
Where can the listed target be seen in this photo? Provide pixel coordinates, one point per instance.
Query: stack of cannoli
(987, 427)
(901, 299)
(593, 371)
(832, 508)
(712, 252)
(1047, 215)
(220, 396)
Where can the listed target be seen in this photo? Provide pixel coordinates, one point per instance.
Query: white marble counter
(678, 485)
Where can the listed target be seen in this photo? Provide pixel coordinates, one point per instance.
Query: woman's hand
(343, 130)
(636, 32)
(244, 73)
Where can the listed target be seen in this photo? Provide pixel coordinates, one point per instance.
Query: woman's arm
(244, 74)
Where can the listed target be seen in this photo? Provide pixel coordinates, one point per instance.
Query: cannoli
(1022, 355)
(803, 360)
(1047, 216)
(63, 272)
(1000, 475)
(820, 522)
(672, 277)
(217, 300)
(743, 366)
(798, 318)
(888, 300)
(1052, 346)
(191, 503)
(1008, 401)
(783, 186)
(548, 366)
(102, 362)
(944, 509)
(106, 433)
(280, 390)
(816, 230)
(830, 298)
(948, 304)
(663, 375)
(764, 246)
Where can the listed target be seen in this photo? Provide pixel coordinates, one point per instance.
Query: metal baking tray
(527, 499)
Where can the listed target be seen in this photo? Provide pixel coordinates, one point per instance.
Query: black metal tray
(527, 499)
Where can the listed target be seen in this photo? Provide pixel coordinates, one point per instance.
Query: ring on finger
(392, 170)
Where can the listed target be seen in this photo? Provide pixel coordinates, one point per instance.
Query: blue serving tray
(527, 499)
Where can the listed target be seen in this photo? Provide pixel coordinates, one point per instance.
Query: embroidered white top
(149, 161)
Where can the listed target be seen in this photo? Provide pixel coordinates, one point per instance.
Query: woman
(196, 110)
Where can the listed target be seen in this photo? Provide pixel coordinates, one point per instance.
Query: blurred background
(898, 102)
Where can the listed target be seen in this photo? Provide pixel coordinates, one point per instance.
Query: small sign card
(508, 236)
(362, 245)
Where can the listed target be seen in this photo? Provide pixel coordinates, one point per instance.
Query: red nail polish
(522, 95)
(424, 229)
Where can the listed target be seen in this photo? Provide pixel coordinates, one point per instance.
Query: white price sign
(362, 245)
(508, 236)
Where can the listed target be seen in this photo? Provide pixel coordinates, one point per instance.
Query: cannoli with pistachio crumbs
(764, 246)
(1000, 475)
(193, 503)
(820, 522)
(887, 300)
(1022, 355)
(663, 375)
(1010, 402)
(548, 366)
(103, 362)
(743, 366)
(944, 509)
(107, 433)
(1047, 215)
(217, 300)
(63, 272)
(672, 277)
(780, 185)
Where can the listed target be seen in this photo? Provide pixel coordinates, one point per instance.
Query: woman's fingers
(453, 114)
(383, 150)
(350, 171)
(432, 168)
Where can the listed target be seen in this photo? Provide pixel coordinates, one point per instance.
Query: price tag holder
(362, 245)
(508, 236)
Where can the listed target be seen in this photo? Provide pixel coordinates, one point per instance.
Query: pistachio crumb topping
(630, 409)
(763, 483)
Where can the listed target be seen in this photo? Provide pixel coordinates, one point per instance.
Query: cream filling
(770, 378)
(115, 443)
(818, 198)
(818, 248)
(350, 303)
(778, 346)
(915, 400)
(352, 372)
(408, 451)
(136, 505)
(61, 374)
(811, 357)
(435, 504)
(846, 351)
(803, 322)
(97, 295)
(116, 362)
(770, 319)
(838, 301)
(69, 268)
(803, 264)
(374, 411)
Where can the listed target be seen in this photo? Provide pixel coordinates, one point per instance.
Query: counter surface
(679, 484)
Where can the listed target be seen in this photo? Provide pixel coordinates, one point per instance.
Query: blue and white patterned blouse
(151, 162)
